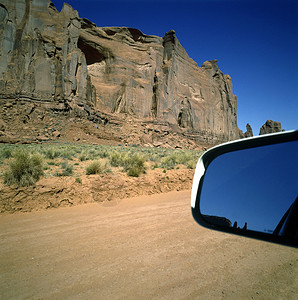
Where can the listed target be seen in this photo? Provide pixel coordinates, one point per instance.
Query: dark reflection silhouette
(215, 220)
(245, 226)
(223, 221)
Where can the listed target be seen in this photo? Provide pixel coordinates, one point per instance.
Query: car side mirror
(249, 187)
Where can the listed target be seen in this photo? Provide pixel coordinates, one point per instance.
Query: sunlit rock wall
(52, 56)
(39, 57)
(153, 78)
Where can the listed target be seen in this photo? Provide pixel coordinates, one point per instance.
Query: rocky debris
(270, 127)
(2, 126)
(56, 134)
(47, 124)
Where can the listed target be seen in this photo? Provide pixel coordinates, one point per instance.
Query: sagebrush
(24, 169)
(75, 159)
(98, 167)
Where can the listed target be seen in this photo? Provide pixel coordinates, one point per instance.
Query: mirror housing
(249, 187)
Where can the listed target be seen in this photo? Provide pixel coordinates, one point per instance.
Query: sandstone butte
(57, 62)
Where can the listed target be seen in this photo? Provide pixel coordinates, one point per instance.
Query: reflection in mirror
(253, 189)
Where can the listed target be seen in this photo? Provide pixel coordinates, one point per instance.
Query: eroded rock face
(270, 127)
(154, 79)
(39, 57)
(47, 56)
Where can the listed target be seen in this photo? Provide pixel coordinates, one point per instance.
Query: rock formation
(154, 79)
(39, 57)
(57, 58)
(270, 127)
(248, 133)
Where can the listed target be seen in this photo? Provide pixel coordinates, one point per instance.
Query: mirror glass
(252, 189)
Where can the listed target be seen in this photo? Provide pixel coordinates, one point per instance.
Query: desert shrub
(132, 162)
(92, 151)
(51, 153)
(78, 180)
(169, 162)
(115, 159)
(24, 169)
(135, 165)
(6, 153)
(67, 154)
(156, 165)
(83, 156)
(98, 167)
(119, 159)
(187, 159)
(191, 164)
(67, 170)
(180, 157)
(103, 153)
(77, 150)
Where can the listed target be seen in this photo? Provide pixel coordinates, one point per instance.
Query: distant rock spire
(270, 127)
(248, 132)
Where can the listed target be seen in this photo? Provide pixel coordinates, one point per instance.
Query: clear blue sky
(254, 41)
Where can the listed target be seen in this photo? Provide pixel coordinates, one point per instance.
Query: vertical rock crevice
(184, 118)
(21, 26)
(119, 104)
(154, 96)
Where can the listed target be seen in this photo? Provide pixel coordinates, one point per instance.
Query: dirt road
(139, 248)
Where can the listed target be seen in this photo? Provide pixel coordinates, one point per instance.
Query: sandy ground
(138, 248)
(56, 192)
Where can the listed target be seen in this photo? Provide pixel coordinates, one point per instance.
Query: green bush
(98, 167)
(155, 166)
(79, 180)
(176, 158)
(83, 156)
(135, 165)
(103, 153)
(191, 164)
(24, 169)
(68, 154)
(169, 162)
(67, 170)
(131, 159)
(51, 153)
(6, 153)
(119, 159)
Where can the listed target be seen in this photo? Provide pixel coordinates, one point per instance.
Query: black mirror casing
(222, 213)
